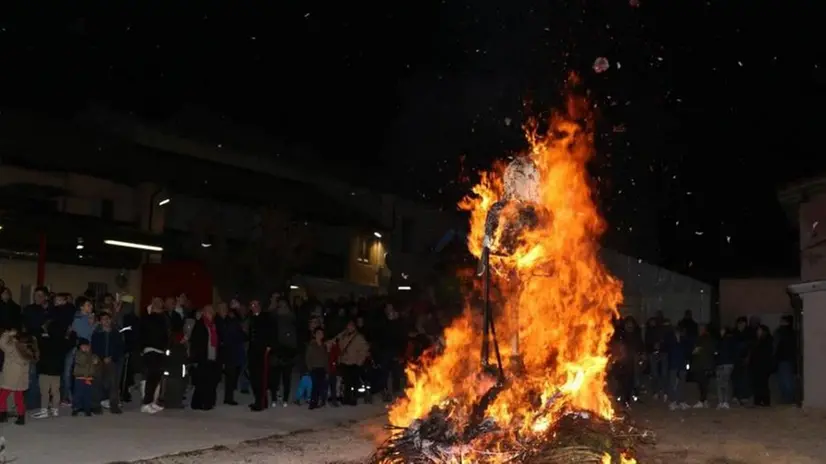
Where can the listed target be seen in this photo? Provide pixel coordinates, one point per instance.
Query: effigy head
(521, 179)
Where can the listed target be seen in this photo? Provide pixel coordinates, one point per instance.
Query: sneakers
(665, 398)
(684, 406)
(151, 408)
(701, 405)
(42, 413)
(673, 406)
(723, 405)
(54, 412)
(105, 404)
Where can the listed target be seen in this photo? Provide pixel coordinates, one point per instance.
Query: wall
(648, 289)
(64, 277)
(173, 278)
(764, 297)
(85, 192)
(812, 217)
(361, 273)
(418, 229)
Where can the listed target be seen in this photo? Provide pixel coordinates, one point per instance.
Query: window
(363, 250)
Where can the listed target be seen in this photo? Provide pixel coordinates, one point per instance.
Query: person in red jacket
(335, 352)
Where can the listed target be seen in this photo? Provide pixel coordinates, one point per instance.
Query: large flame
(552, 292)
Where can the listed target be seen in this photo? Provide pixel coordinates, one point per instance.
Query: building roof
(791, 195)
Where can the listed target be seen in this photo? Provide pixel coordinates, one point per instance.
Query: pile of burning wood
(577, 437)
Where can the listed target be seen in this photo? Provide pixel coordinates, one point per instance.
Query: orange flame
(554, 299)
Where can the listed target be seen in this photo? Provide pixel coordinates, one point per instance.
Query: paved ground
(293, 435)
(134, 436)
(777, 435)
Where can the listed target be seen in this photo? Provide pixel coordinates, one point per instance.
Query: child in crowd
(317, 360)
(86, 366)
(20, 350)
(53, 345)
(107, 345)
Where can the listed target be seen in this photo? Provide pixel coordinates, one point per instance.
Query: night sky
(706, 108)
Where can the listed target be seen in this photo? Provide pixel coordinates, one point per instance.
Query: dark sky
(720, 101)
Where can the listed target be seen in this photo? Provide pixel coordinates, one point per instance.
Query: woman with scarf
(203, 351)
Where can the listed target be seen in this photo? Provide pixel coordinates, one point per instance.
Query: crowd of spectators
(92, 354)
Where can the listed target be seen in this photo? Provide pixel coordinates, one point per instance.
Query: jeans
(659, 373)
(82, 400)
(32, 395)
(677, 379)
(318, 387)
(741, 383)
(68, 379)
(724, 382)
(786, 381)
(244, 378)
(109, 386)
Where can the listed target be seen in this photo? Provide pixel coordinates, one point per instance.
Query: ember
(540, 396)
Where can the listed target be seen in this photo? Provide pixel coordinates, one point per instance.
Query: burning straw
(576, 437)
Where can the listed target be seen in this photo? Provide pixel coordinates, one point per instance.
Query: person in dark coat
(10, 312)
(679, 349)
(785, 355)
(285, 351)
(390, 351)
(702, 363)
(740, 376)
(260, 344)
(231, 353)
(204, 345)
(726, 357)
(154, 341)
(53, 345)
(761, 366)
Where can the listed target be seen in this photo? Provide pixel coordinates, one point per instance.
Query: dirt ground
(775, 435)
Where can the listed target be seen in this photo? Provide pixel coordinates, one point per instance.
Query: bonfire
(521, 376)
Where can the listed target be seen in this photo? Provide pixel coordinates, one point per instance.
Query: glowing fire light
(553, 281)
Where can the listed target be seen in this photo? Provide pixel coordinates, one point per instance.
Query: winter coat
(53, 346)
(19, 356)
(260, 333)
(83, 325)
(703, 356)
(108, 344)
(199, 343)
(86, 364)
(232, 337)
(354, 348)
(154, 332)
(285, 347)
(786, 344)
(316, 356)
(10, 315)
(679, 351)
(726, 350)
(33, 317)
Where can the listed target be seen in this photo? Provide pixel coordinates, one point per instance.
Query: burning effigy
(523, 378)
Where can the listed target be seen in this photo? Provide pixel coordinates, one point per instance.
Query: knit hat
(82, 341)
